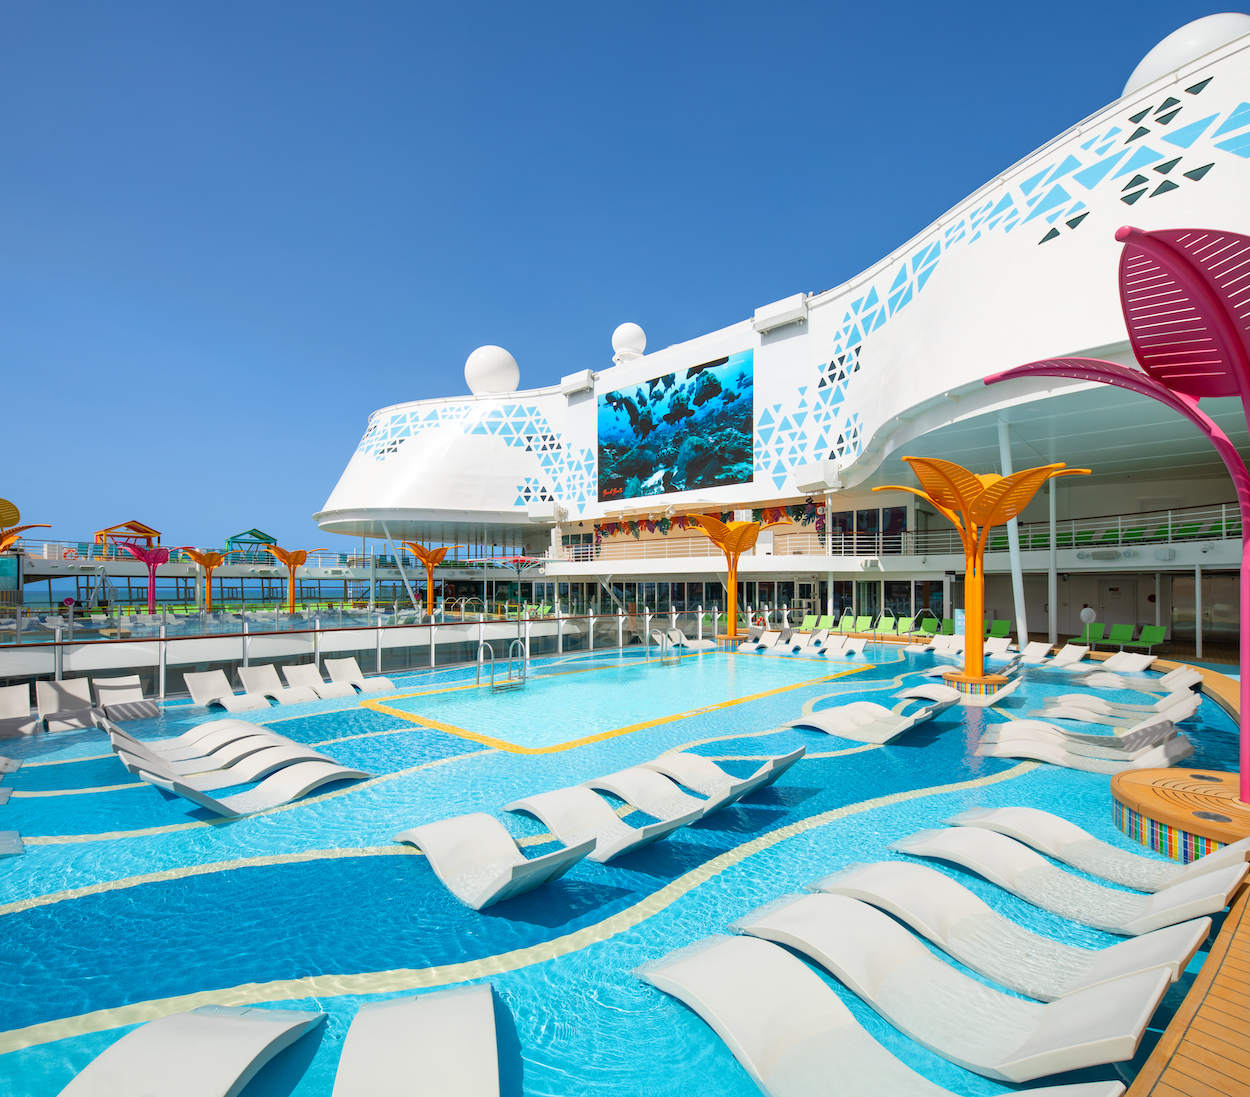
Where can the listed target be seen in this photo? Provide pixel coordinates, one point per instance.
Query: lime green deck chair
(905, 626)
(1150, 636)
(847, 624)
(1091, 634)
(1132, 536)
(948, 626)
(825, 622)
(1039, 541)
(1063, 539)
(1121, 635)
(863, 624)
(809, 622)
(887, 625)
(1109, 537)
(998, 544)
(1083, 537)
(1187, 531)
(930, 625)
(1000, 628)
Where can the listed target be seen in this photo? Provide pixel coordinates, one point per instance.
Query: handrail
(484, 644)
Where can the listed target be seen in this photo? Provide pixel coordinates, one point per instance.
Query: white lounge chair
(480, 862)
(304, 675)
(1018, 869)
(263, 682)
(1035, 652)
(767, 640)
(211, 688)
(1110, 747)
(11, 844)
(1128, 662)
(244, 772)
(15, 717)
(790, 1031)
(281, 788)
(1094, 710)
(785, 643)
(961, 924)
(707, 778)
(679, 639)
(1150, 731)
(225, 756)
(1182, 699)
(1065, 841)
(346, 670)
(950, 1013)
(648, 791)
(866, 721)
(575, 814)
(851, 645)
(122, 698)
(1160, 757)
(998, 647)
(446, 1038)
(65, 706)
(202, 731)
(1174, 680)
(213, 1050)
(1067, 657)
(812, 643)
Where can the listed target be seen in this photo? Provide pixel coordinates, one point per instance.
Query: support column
(1052, 577)
(1158, 609)
(399, 563)
(1013, 544)
(1197, 611)
(829, 578)
(947, 612)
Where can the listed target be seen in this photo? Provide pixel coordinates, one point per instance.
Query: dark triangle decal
(1196, 88)
(1049, 236)
(1163, 169)
(1141, 131)
(1129, 199)
(1164, 187)
(1198, 173)
(1077, 220)
(1135, 118)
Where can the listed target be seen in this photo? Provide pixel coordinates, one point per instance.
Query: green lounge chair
(1039, 541)
(1121, 635)
(825, 622)
(998, 544)
(887, 625)
(1132, 536)
(1187, 531)
(847, 624)
(930, 625)
(1083, 537)
(1000, 628)
(1091, 634)
(809, 622)
(1110, 537)
(1150, 636)
(905, 626)
(948, 626)
(1161, 534)
(863, 624)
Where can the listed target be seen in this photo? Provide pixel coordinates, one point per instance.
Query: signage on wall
(681, 431)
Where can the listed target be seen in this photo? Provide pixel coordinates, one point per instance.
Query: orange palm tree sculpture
(733, 539)
(209, 561)
(293, 558)
(10, 516)
(431, 558)
(974, 504)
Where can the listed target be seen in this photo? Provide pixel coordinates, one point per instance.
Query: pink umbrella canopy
(152, 558)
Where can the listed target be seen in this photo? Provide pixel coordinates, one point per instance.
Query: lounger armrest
(1171, 947)
(535, 872)
(179, 789)
(1206, 894)
(653, 832)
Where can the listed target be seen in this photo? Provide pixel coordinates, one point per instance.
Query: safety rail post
(620, 628)
(559, 628)
(480, 645)
(527, 637)
(58, 662)
(699, 626)
(432, 642)
(785, 616)
(590, 616)
(716, 620)
(317, 642)
(378, 639)
(646, 629)
(245, 639)
(672, 616)
(162, 647)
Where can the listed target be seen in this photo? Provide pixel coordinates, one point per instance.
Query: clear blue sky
(229, 231)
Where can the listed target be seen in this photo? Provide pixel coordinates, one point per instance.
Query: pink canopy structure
(1185, 294)
(151, 558)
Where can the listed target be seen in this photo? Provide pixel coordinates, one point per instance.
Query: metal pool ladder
(515, 649)
(668, 652)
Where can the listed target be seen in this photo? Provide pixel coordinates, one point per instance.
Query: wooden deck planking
(1205, 1051)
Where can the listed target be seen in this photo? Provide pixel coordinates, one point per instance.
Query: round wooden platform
(1183, 813)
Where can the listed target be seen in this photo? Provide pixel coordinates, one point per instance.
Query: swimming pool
(129, 903)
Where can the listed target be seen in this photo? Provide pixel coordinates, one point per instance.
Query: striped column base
(1171, 841)
(985, 686)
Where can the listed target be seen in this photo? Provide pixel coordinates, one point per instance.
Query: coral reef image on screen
(684, 430)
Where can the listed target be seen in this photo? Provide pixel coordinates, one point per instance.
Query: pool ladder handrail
(517, 647)
(666, 647)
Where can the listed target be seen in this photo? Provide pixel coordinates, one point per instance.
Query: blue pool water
(128, 896)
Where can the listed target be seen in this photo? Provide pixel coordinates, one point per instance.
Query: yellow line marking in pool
(512, 748)
(66, 761)
(79, 791)
(398, 980)
(72, 839)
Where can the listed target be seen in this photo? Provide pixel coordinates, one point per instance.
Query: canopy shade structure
(133, 531)
(250, 540)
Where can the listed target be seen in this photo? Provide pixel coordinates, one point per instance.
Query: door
(1117, 601)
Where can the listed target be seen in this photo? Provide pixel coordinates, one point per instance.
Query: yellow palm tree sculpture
(974, 504)
(733, 539)
(431, 558)
(210, 561)
(10, 516)
(293, 558)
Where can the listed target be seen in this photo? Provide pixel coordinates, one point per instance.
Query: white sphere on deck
(629, 339)
(1188, 44)
(491, 369)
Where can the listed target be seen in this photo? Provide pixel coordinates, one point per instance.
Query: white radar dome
(1187, 44)
(491, 369)
(629, 341)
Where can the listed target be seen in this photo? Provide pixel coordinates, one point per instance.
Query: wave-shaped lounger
(1016, 868)
(1182, 707)
(952, 1014)
(1123, 748)
(1066, 658)
(212, 688)
(1065, 841)
(216, 753)
(263, 680)
(963, 925)
(211, 1050)
(575, 814)
(480, 862)
(1178, 699)
(814, 643)
(648, 791)
(1174, 680)
(289, 783)
(790, 1030)
(1151, 731)
(851, 645)
(707, 778)
(348, 670)
(1160, 757)
(446, 1039)
(767, 640)
(679, 639)
(193, 737)
(305, 676)
(122, 698)
(866, 721)
(1129, 662)
(253, 768)
(1035, 652)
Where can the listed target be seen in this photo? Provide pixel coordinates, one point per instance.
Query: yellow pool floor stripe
(513, 748)
(399, 980)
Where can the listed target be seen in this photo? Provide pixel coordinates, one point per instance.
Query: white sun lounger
(15, 717)
(1064, 841)
(305, 676)
(1035, 652)
(707, 778)
(213, 1051)
(998, 647)
(1151, 731)
(1181, 699)
(1067, 657)
(953, 1015)
(790, 1031)
(649, 792)
(1184, 708)
(233, 752)
(813, 643)
(1160, 757)
(963, 925)
(252, 768)
(766, 641)
(263, 681)
(281, 788)
(1018, 869)
(851, 645)
(122, 698)
(211, 688)
(575, 814)
(1175, 680)
(347, 670)
(446, 1039)
(1112, 747)
(190, 738)
(65, 706)
(679, 639)
(866, 721)
(1129, 662)
(480, 863)
(209, 744)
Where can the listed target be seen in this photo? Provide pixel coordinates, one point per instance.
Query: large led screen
(686, 430)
